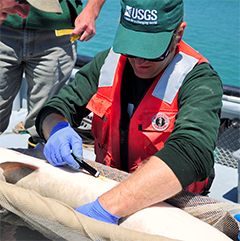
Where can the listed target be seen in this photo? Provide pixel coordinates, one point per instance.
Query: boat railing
(231, 93)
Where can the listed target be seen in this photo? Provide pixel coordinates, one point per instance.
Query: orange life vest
(153, 120)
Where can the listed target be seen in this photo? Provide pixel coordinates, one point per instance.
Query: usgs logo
(140, 14)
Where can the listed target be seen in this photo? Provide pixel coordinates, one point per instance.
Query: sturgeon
(76, 188)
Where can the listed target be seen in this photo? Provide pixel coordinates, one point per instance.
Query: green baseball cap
(146, 27)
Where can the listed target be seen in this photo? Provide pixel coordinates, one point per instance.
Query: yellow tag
(62, 32)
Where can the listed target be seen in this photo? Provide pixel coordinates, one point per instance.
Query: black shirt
(133, 90)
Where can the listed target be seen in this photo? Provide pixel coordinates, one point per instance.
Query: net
(211, 211)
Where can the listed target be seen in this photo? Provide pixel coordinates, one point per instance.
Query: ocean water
(213, 29)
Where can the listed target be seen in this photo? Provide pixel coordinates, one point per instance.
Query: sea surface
(213, 30)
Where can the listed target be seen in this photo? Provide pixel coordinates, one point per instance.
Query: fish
(78, 187)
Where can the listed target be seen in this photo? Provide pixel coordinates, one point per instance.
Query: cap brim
(50, 6)
(141, 44)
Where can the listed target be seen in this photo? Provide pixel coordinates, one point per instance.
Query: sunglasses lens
(21, 1)
(161, 58)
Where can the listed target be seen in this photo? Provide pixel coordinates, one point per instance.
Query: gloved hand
(237, 216)
(95, 210)
(62, 140)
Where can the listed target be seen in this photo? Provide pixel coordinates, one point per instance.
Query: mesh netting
(228, 142)
(207, 209)
(45, 198)
(58, 221)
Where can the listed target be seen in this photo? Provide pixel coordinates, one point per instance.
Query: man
(30, 45)
(12, 7)
(84, 23)
(156, 104)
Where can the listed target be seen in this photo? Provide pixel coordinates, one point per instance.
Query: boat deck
(224, 188)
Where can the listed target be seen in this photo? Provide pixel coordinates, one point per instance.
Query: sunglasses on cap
(21, 1)
(159, 59)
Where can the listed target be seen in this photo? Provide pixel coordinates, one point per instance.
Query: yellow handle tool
(62, 32)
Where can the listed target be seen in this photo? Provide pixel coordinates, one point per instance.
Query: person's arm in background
(85, 22)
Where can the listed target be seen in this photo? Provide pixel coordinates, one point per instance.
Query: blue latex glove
(95, 210)
(62, 140)
(237, 216)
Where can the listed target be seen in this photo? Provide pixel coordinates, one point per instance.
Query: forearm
(94, 6)
(153, 183)
(85, 21)
(49, 122)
